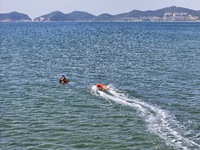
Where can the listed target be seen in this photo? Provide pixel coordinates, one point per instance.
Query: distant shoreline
(168, 14)
(99, 22)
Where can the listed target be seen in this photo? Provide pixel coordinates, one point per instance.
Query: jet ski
(102, 87)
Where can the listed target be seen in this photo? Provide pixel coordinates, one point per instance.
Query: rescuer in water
(63, 80)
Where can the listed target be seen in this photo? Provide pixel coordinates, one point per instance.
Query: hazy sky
(36, 8)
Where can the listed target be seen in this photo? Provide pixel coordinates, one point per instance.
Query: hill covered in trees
(165, 14)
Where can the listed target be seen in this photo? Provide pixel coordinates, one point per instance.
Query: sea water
(152, 71)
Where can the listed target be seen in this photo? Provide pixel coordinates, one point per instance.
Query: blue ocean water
(153, 74)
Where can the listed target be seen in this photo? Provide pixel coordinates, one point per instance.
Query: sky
(36, 8)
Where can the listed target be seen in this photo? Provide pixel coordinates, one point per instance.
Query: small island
(14, 17)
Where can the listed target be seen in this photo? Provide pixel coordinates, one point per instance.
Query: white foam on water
(159, 121)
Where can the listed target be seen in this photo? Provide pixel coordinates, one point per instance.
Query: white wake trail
(159, 121)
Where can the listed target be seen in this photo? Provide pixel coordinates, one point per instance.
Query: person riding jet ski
(101, 87)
